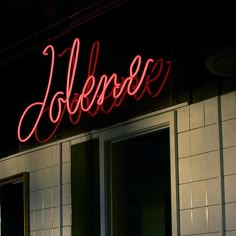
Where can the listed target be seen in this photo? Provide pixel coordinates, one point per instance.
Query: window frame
(24, 177)
(148, 123)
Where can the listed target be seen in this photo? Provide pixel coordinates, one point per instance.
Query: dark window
(85, 189)
(14, 205)
(138, 184)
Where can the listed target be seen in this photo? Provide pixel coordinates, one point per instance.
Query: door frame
(151, 122)
(136, 127)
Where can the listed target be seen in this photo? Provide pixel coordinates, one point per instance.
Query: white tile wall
(199, 172)
(228, 102)
(197, 115)
(45, 192)
(200, 169)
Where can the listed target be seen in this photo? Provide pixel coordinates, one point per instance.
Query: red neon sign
(113, 88)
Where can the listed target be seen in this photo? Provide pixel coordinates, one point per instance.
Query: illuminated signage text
(97, 94)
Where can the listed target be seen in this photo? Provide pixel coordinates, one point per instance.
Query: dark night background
(198, 37)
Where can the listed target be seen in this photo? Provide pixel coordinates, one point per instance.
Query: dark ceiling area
(199, 38)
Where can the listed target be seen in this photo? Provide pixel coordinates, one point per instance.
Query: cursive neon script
(101, 94)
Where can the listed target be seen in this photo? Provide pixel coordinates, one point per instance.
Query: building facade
(199, 175)
(135, 132)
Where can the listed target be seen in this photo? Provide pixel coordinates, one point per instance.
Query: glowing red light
(95, 91)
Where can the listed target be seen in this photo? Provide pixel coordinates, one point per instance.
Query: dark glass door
(139, 187)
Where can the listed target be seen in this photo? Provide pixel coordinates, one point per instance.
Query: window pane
(139, 177)
(85, 188)
(14, 205)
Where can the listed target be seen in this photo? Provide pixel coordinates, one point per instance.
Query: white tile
(213, 164)
(39, 233)
(183, 119)
(47, 157)
(55, 196)
(32, 221)
(54, 175)
(48, 218)
(212, 137)
(186, 223)
(231, 233)
(229, 133)
(38, 199)
(46, 177)
(47, 197)
(56, 217)
(230, 190)
(32, 200)
(11, 167)
(228, 105)
(214, 218)
(198, 167)
(229, 160)
(56, 232)
(66, 173)
(2, 169)
(55, 155)
(66, 190)
(211, 111)
(39, 160)
(39, 220)
(66, 152)
(199, 192)
(198, 143)
(185, 174)
(67, 215)
(200, 220)
(48, 232)
(32, 161)
(196, 115)
(24, 163)
(184, 144)
(67, 231)
(230, 213)
(185, 191)
(213, 191)
(35, 180)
